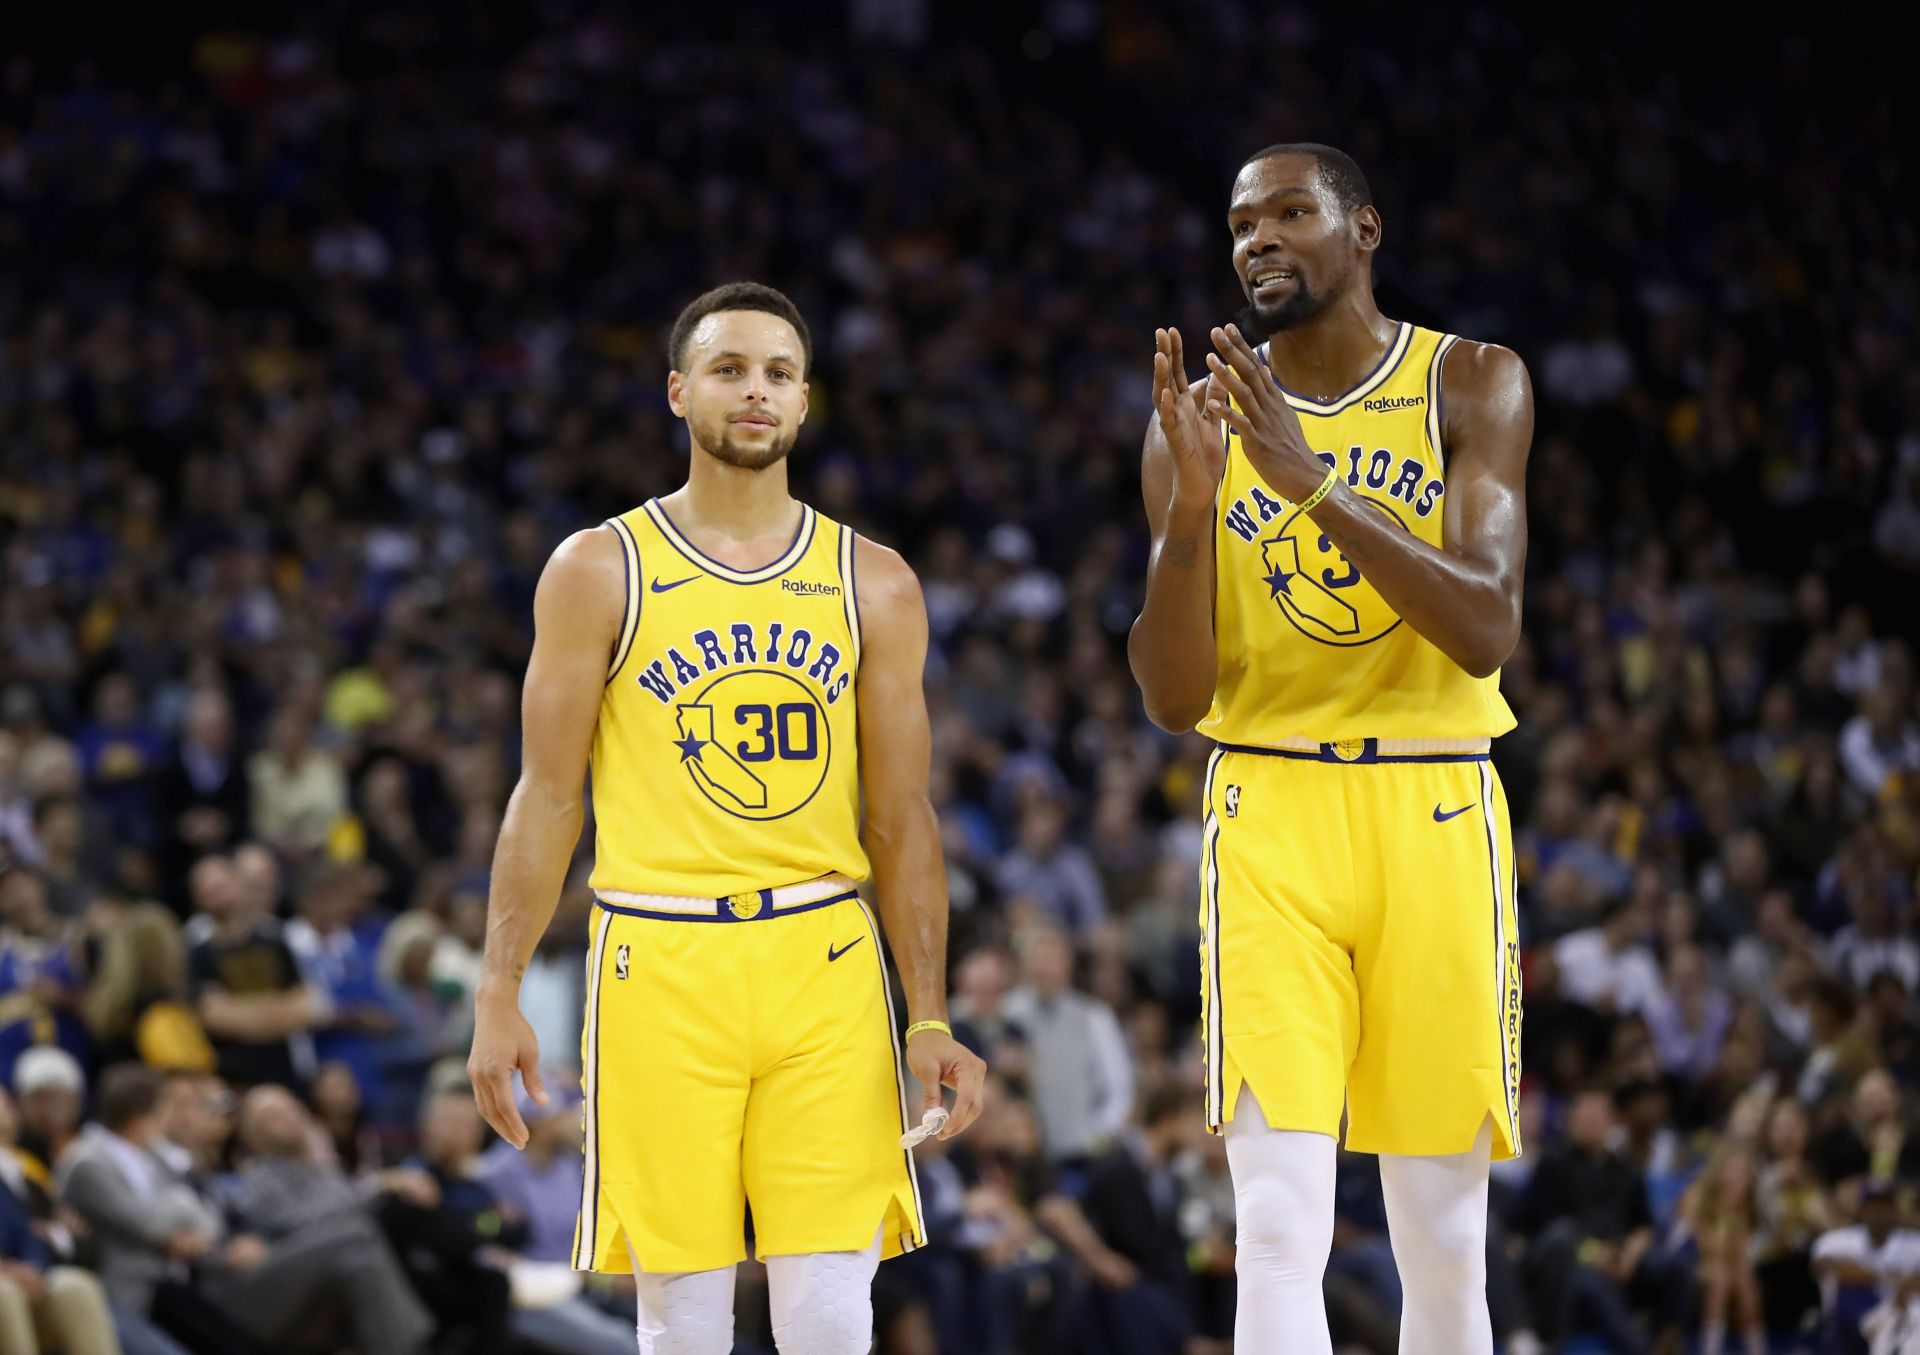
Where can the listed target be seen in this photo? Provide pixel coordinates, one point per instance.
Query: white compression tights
(1437, 1218)
(822, 1305)
(1283, 1211)
(1283, 1201)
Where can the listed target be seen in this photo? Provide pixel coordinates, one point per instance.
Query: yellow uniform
(739, 1044)
(1357, 900)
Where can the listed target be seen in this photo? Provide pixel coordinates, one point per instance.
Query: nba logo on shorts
(1233, 802)
(620, 962)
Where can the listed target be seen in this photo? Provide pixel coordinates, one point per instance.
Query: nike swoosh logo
(1438, 817)
(659, 587)
(833, 954)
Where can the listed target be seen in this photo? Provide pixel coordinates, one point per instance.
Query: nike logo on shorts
(1439, 817)
(833, 954)
(659, 587)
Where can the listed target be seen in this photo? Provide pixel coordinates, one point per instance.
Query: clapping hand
(1269, 430)
(1192, 433)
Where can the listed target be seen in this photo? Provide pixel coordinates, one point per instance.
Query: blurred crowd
(315, 340)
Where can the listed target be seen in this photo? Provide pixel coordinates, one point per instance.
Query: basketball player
(1334, 585)
(737, 670)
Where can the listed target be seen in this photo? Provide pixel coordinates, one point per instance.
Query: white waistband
(696, 905)
(1393, 747)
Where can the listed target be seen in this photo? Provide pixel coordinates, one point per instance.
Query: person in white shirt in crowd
(1880, 742)
(1082, 1082)
(1611, 967)
(1862, 1266)
(1873, 941)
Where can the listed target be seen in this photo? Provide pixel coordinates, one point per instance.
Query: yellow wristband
(919, 1026)
(1326, 487)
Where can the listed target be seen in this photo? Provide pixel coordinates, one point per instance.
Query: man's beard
(1259, 323)
(723, 446)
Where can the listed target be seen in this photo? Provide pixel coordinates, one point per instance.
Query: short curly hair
(736, 296)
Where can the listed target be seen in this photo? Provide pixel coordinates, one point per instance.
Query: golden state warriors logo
(1319, 589)
(756, 742)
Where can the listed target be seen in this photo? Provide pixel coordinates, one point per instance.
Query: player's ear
(806, 390)
(677, 394)
(1366, 228)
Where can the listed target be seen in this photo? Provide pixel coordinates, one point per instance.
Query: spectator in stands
(120, 752)
(201, 792)
(1895, 1032)
(256, 1006)
(38, 1291)
(42, 979)
(1049, 869)
(1874, 943)
(1690, 1016)
(50, 1089)
(1842, 1051)
(147, 1227)
(1720, 1213)
(541, 1183)
(1082, 1082)
(338, 1107)
(307, 1210)
(981, 983)
(1861, 1266)
(337, 957)
(1794, 1210)
(1881, 742)
(1871, 1141)
(1123, 1224)
(299, 791)
(1594, 1249)
(1611, 967)
(523, 1221)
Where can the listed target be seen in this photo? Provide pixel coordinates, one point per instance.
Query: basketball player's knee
(686, 1314)
(828, 1324)
(1442, 1257)
(823, 1302)
(1276, 1236)
(697, 1341)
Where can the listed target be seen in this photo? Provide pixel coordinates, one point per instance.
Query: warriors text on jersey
(1307, 648)
(726, 757)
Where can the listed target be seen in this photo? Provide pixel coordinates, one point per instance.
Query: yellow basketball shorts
(1359, 946)
(744, 1055)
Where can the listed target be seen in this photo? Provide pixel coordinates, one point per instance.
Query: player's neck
(1333, 352)
(732, 502)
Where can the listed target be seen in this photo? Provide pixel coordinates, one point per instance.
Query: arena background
(320, 326)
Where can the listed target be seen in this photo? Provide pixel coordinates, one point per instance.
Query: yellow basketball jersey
(727, 753)
(1307, 648)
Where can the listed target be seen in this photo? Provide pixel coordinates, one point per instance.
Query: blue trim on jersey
(631, 575)
(1500, 959)
(723, 909)
(727, 573)
(1214, 1062)
(1370, 755)
(853, 588)
(1396, 354)
(1440, 400)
